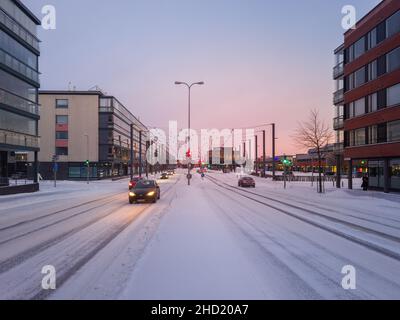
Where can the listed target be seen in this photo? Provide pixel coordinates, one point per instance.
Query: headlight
(132, 194)
(152, 193)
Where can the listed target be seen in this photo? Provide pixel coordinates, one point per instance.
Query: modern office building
(81, 127)
(19, 83)
(367, 99)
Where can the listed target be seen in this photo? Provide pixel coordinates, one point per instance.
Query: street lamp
(189, 89)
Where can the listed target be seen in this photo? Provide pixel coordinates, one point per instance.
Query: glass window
(61, 151)
(381, 32)
(395, 173)
(382, 133)
(372, 39)
(359, 137)
(381, 66)
(372, 70)
(393, 60)
(18, 51)
(62, 103)
(16, 123)
(359, 77)
(359, 48)
(17, 86)
(63, 135)
(393, 24)
(359, 107)
(62, 119)
(373, 134)
(393, 129)
(382, 99)
(373, 102)
(393, 95)
(74, 172)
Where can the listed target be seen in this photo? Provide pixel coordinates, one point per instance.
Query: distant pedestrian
(365, 183)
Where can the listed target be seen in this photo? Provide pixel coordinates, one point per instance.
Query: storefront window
(395, 174)
(376, 177)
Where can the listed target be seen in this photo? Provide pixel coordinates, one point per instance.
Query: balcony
(20, 31)
(338, 71)
(338, 148)
(18, 66)
(18, 102)
(338, 97)
(338, 123)
(19, 140)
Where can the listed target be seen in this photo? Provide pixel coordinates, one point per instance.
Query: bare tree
(314, 134)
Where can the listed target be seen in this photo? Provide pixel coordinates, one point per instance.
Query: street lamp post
(189, 98)
(88, 163)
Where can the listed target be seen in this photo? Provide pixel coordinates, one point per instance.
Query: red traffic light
(188, 154)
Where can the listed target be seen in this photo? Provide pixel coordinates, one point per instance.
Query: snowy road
(208, 241)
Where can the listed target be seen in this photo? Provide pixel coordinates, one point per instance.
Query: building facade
(19, 83)
(368, 96)
(88, 134)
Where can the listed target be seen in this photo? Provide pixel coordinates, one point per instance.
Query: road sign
(55, 167)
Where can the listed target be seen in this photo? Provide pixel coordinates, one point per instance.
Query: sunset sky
(262, 61)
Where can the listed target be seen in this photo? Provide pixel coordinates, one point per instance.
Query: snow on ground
(201, 242)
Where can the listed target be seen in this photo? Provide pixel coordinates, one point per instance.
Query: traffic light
(286, 162)
(188, 154)
(87, 163)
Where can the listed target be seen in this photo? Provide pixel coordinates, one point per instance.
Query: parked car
(133, 182)
(145, 190)
(246, 182)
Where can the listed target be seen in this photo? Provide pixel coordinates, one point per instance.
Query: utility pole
(140, 153)
(256, 140)
(131, 152)
(273, 153)
(87, 161)
(264, 154)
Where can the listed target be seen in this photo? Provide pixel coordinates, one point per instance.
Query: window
(62, 135)
(74, 172)
(359, 48)
(62, 103)
(382, 133)
(393, 24)
(373, 134)
(61, 151)
(359, 77)
(381, 66)
(373, 102)
(381, 32)
(393, 60)
(393, 129)
(62, 119)
(372, 70)
(17, 123)
(359, 107)
(395, 173)
(393, 95)
(371, 39)
(382, 99)
(359, 137)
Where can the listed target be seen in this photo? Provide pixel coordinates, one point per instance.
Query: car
(145, 190)
(171, 172)
(133, 182)
(164, 176)
(246, 182)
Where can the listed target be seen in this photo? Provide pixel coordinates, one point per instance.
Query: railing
(338, 70)
(17, 102)
(338, 123)
(18, 66)
(18, 139)
(338, 97)
(20, 31)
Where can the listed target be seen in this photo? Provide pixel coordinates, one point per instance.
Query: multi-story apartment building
(367, 99)
(81, 126)
(19, 83)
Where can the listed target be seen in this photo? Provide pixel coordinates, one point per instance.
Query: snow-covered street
(211, 240)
